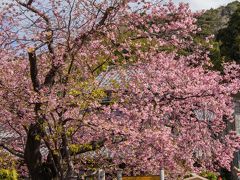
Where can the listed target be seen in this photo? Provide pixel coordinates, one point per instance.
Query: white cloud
(204, 4)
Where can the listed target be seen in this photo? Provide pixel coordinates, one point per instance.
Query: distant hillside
(215, 19)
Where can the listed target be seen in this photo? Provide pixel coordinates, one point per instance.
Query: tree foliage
(230, 38)
(215, 22)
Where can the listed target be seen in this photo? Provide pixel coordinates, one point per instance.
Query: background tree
(213, 22)
(230, 38)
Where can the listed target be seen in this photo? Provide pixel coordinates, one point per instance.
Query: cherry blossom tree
(56, 56)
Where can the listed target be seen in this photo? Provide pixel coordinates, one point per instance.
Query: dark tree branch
(69, 24)
(53, 159)
(36, 11)
(92, 146)
(100, 65)
(49, 80)
(67, 154)
(33, 69)
(30, 2)
(172, 97)
(12, 151)
(105, 16)
(84, 36)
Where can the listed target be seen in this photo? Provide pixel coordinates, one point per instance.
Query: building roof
(115, 76)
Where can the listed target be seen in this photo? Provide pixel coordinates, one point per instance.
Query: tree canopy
(230, 38)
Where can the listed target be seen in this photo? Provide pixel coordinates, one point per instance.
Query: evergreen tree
(229, 38)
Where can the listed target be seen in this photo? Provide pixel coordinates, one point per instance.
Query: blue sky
(204, 4)
(196, 4)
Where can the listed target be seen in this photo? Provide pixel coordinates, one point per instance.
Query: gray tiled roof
(6, 134)
(114, 76)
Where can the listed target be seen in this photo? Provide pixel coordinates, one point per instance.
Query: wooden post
(162, 174)
(101, 174)
(119, 174)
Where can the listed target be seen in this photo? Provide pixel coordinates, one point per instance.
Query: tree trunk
(32, 155)
(70, 168)
(33, 158)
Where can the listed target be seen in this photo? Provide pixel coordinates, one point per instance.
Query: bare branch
(69, 24)
(105, 16)
(92, 146)
(30, 2)
(67, 152)
(33, 69)
(36, 11)
(100, 65)
(84, 36)
(12, 151)
(49, 80)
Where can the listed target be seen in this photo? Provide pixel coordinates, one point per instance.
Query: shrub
(6, 174)
(209, 175)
